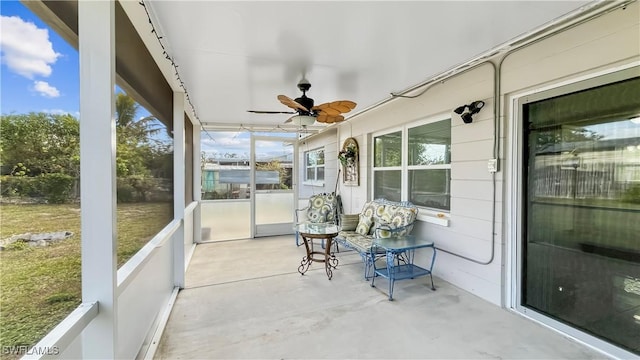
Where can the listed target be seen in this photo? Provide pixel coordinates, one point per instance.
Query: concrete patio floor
(245, 299)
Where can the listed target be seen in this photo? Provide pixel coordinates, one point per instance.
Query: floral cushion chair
(322, 208)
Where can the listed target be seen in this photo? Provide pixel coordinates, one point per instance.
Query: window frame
(315, 181)
(403, 156)
(404, 161)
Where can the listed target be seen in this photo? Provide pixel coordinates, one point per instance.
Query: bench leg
(367, 266)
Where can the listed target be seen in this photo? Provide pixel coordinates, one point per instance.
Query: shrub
(124, 191)
(143, 185)
(56, 188)
(23, 186)
(141, 188)
(632, 195)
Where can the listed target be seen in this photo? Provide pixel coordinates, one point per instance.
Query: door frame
(294, 181)
(515, 201)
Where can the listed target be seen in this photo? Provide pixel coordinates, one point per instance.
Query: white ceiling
(238, 56)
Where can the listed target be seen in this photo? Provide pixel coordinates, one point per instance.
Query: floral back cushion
(322, 208)
(364, 225)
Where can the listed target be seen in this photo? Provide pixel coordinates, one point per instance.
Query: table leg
(306, 260)
(330, 260)
(390, 270)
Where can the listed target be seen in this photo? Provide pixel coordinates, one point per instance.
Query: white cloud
(232, 142)
(25, 48)
(60, 112)
(45, 89)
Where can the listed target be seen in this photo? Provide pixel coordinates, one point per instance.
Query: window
(429, 165)
(314, 165)
(421, 155)
(387, 166)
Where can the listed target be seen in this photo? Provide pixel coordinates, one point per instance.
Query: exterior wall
(326, 140)
(603, 43)
(353, 197)
(469, 227)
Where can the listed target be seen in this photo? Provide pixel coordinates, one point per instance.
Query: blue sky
(39, 69)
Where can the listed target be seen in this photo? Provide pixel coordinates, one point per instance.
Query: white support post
(178, 187)
(96, 29)
(197, 183)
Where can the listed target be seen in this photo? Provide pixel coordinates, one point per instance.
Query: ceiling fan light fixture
(303, 120)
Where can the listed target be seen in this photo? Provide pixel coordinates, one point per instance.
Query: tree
(548, 137)
(136, 152)
(284, 174)
(388, 150)
(42, 143)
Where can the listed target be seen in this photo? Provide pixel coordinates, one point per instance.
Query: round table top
(311, 229)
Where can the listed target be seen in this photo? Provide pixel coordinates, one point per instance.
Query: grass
(40, 286)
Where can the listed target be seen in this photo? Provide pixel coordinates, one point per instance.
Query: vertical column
(197, 182)
(178, 187)
(252, 180)
(96, 29)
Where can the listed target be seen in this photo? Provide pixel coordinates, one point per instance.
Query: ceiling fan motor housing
(324, 113)
(304, 85)
(306, 102)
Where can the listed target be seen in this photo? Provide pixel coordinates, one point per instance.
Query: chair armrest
(297, 210)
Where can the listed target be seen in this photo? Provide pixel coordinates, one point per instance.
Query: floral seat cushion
(378, 219)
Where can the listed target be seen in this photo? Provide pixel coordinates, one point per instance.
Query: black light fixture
(466, 111)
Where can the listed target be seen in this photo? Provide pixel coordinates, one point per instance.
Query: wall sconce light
(466, 111)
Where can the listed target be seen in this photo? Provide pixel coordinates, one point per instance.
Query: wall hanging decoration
(348, 157)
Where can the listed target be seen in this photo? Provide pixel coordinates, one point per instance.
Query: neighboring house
(229, 178)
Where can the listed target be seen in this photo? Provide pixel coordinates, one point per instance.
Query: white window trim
(313, 182)
(430, 215)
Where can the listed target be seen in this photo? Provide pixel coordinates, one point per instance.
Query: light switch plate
(493, 165)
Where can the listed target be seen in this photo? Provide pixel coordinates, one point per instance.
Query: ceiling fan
(325, 113)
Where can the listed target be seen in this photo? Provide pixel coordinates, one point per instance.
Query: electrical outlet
(493, 165)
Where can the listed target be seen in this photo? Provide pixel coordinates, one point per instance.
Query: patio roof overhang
(238, 56)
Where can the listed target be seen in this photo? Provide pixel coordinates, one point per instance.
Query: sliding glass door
(580, 250)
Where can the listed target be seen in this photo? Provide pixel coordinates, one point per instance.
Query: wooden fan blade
(329, 119)
(336, 107)
(291, 103)
(327, 110)
(270, 112)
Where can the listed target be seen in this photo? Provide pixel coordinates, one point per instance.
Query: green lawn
(40, 286)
